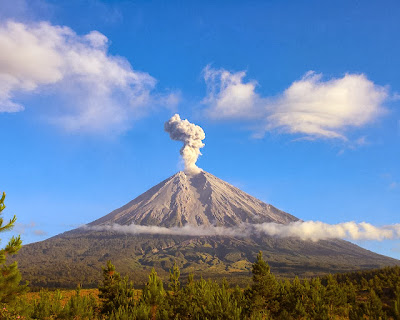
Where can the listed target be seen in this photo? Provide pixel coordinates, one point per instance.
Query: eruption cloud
(304, 230)
(191, 135)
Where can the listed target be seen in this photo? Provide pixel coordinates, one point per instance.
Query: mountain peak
(194, 199)
(199, 199)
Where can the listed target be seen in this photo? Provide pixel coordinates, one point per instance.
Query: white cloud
(305, 230)
(186, 230)
(228, 96)
(22, 228)
(93, 90)
(28, 228)
(316, 230)
(326, 108)
(310, 106)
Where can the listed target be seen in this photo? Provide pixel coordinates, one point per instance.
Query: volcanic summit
(148, 232)
(200, 200)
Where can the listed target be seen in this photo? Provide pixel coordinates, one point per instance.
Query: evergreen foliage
(10, 277)
(264, 288)
(396, 304)
(365, 295)
(153, 293)
(115, 292)
(79, 307)
(47, 306)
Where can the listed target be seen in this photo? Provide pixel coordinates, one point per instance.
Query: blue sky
(86, 86)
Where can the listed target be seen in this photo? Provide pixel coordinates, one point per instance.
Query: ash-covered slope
(200, 199)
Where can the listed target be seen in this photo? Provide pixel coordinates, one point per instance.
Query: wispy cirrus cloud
(28, 228)
(311, 106)
(91, 89)
(39, 232)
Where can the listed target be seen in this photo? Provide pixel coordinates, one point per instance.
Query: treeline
(360, 295)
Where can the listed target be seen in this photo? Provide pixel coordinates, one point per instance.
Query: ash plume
(191, 135)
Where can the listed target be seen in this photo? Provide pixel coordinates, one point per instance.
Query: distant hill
(199, 200)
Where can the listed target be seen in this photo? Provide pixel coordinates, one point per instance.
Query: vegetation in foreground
(360, 295)
(10, 277)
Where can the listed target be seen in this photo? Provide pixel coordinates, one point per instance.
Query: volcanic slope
(198, 200)
(202, 199)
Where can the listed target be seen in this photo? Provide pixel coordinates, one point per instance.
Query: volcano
(200, 200)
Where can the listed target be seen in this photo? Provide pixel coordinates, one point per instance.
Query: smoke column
(191, 135)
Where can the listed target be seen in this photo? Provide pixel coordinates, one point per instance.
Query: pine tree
(174, 295)
(317, 308)
(115, 292)
(396, 304)
(48, 306)
(184, 306)
(153, 292)
(374, 306)
(225, 304)
(79, 307)
(297, 299)
(174, 274)
(335, 297)
(10, 277)
(264, 288)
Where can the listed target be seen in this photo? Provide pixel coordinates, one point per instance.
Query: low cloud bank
(316, 230)
(305, 230)
(186, 230)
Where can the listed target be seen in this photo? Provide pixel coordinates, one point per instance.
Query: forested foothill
(373, 294)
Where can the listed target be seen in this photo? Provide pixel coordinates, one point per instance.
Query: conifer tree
(264, 288)
(226, 304)
(297, 299)
(183, 306)
(318, 309)
(374, 306)
(174, 274)
(153, 292)
(79, 307)
(396, 302)
(10, 277)
(115, 292)
(335, 297)
(174, 295)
